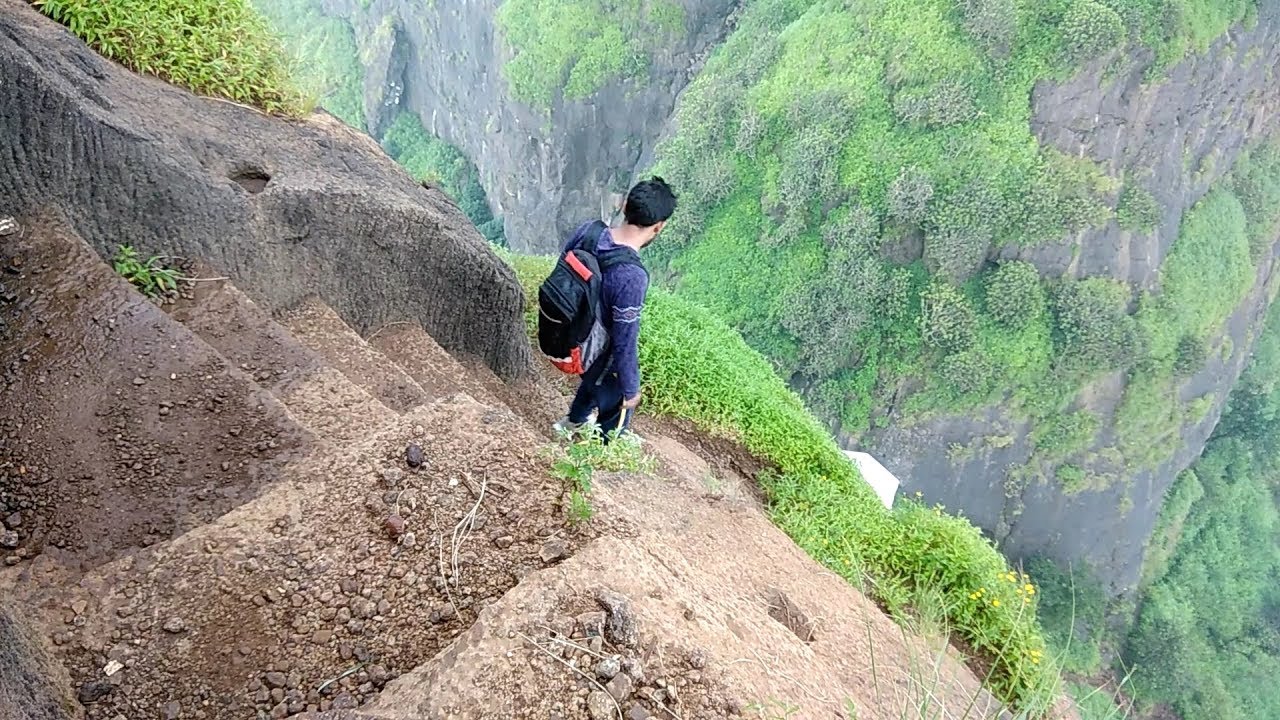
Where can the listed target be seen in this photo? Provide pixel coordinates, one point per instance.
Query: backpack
(571, 332)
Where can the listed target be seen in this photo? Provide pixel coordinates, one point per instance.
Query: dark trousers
(600, 389)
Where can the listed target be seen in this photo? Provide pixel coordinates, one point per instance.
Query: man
(612, 384)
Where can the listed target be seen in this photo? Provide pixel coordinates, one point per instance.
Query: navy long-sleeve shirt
(623, 293)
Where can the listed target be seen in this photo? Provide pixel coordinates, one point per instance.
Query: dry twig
(561, 660)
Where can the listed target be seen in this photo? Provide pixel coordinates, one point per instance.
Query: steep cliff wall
(1177, 137)
(545, 169)
(285, 208)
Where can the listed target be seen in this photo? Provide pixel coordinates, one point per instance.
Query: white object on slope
(883, 482)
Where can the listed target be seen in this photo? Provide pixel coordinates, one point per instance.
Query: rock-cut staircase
(250, 493)
(228, 512)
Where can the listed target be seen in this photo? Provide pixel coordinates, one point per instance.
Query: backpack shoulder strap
(591, 240)
(621, 256)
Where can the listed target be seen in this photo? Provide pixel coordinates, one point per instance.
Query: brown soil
(280, 518)
(120, 428)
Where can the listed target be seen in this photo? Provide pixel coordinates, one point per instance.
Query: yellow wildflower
(995, 603)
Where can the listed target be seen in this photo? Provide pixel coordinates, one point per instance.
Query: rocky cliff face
(544, 172)
(287, 209)
(1179, 136)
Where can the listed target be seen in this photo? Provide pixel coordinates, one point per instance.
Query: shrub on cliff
(1091, 29)
(948, 322)
(1094, 330)
(218, 48)
(1015, 296)
(1138, 211)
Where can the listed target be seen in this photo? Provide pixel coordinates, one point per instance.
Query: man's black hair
(650, 202)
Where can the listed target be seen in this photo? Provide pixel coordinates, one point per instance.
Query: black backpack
(571, 332)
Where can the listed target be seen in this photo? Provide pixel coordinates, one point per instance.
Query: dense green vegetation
(1207, 639)
(325, 52)
(440, 164)
(223, 49)
(695, 366)
(848, 170)
(571, 48)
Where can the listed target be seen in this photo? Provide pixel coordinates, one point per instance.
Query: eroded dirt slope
(325, 526)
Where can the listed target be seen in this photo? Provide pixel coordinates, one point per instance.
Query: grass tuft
(218, 48)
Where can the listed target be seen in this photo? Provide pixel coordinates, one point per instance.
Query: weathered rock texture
(1176, 138)
(544, 172)
(284, 208)
(32, 685)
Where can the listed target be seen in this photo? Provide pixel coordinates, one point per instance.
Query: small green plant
(773, 710)
(586, 453)
(150, 277)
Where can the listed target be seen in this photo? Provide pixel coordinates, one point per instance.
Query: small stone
(553, 549)
(174, 625)
(504, 541)
(9, 539)
(275, 679)
(672, 693)
(607, 668)
(637, 712)
(14, 521)
(409, 540)
(697, 659)
(172, 710)
(280, 711)
(600, 706)
(592, 624)
(78, 607)
(322, 637)
(394, 525)
(443, 614)
(226, 466)
(94, 691)
(414, 457)
(277, 695)
(620, 687)
(378, 674)
(139, 381)
(344, 701)
(392, 476)
(621, 628)
(344, 651)
(634, 669)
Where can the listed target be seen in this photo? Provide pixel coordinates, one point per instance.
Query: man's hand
(631, 402)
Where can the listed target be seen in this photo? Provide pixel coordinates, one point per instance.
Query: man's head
(648, 206)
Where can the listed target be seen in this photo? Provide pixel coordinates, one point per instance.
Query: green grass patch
(220, 49)
(695, 366)
(572, 48)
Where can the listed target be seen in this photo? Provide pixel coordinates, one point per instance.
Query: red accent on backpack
(572, 364)
(582, 270)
